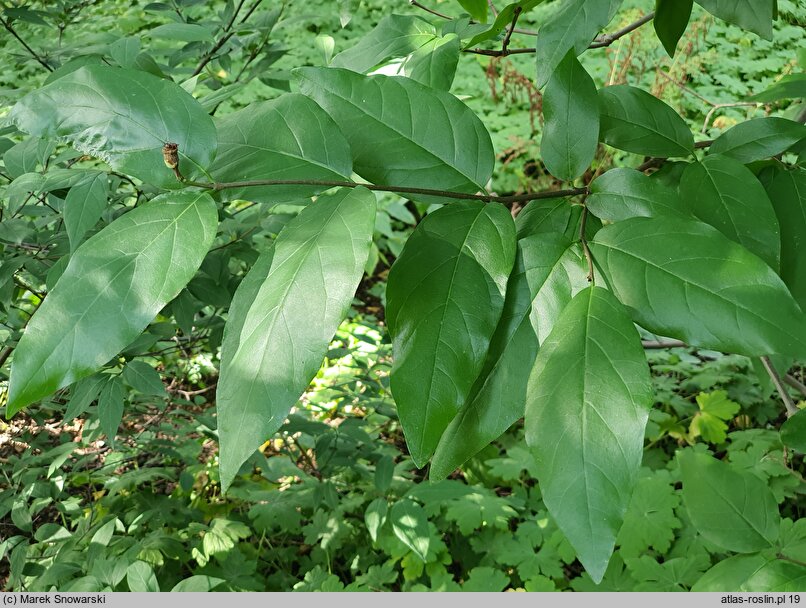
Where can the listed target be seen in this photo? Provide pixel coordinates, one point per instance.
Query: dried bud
(170, 154)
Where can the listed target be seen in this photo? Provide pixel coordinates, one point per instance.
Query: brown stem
(791, 559)
(508, 37)
(658, 161)
(221, 41)
(487, 198)
(5, 354)
(791, 408)
(33, 53)
(659, 344)
(429, 10)
(796, 384)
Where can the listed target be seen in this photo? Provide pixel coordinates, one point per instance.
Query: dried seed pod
(170, 154)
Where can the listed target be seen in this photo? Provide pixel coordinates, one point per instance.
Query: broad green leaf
(83, 207)
(622, 193)
(671, 20)
(123, 117)
(283, 317)
(110, 408)
(476, 8)
(548, 272)
(125, 51)
(787, 191)
(143, 378)
(587, 405)
(758, 139)
(394, 142)
(724, 193)
(186, 32)
(434, 64)
(140, 577)
(755, 573)
(635, 121)
(394, 36)
(753, 15)
(730, 507)
(375, 517)
(791, 86)
(572, 28)
(197, 583)
(550, 215)
(571, 115)
(284, 139)
(410, 525)
(793, 432)
(683, 279)
(444, 298)
(113, 287)
(82, 394)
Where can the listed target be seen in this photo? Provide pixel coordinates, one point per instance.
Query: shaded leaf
(758, 139)
(670, 22)
(753, 15)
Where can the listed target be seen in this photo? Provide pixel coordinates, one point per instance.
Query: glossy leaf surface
(114, 285)
(684, 279)
(587, 405)
(622, 193)
(724, 193)
(394, 141)
(283, 317)
(753, 15)
(123, 117)
(571, 115)
(635, 121)
(758, 139)
(548, 271)
(285, 139)
(445, 295)
(670, 22)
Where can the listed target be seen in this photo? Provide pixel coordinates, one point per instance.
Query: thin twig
(33, 53)
(5, 354)
(429, 10)
(486, 198)
(657, 161)
(795, 383)
(508, 37)
(659, 344)
(608, 39)
(791, 408)
(721, 106)
(791, 559)
(493, 10)
(227, 34)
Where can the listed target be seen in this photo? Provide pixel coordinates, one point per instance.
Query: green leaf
(791, 86)
(572, 28)
(753, 15)
(476, 8)
(197, 583)
(393, 141)
(384, 472)
(83, 207)
(755, 573)
(731, 508)
(793, 432)
(375, 517)
(143, 378)
(110, 407)
(622, 193)
(715, 408)
(485, 579)
(787, 191)
(186, 32)
(758, 139)
(571, 115)
(444, 296)
(550, 215)
(283, 317)
(650, 520)
(140, 577)
(587, 404)
(671, 20)
(115, 284)
(123, 117)
(434, 64)
(410, 525)
(724, 193)
(676, 574)
(684, 279)
(394, 36)
(635, 121)
(82, 394)
(502, 21)
(548, 272)
(283, 139)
